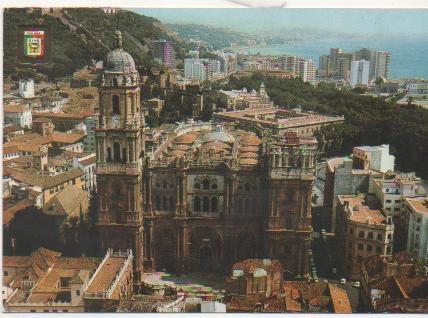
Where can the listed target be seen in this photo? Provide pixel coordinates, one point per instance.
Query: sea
(409, 56)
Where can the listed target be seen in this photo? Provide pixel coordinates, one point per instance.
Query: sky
(350, 21)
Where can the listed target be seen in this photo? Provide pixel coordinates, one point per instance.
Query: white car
(343, 281)
(357, 284)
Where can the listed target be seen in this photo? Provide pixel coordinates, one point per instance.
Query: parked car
(357, 284)
(343, 280)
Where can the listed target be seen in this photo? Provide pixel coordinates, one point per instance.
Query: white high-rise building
(380, 64)
(360, 71)
(26, 88)
(303, 68)
(195, 69)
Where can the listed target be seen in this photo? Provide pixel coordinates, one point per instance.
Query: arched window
(290, 195)
(240, 207)
(205, 184)
(171, 204)
(164, 204)
(109, 154)
(214, 204)
(116, 151)
(197, 204)
(115, 105)
(253, 206)
(205, 204)
(247, 206)
(157, 203)
(247, 187)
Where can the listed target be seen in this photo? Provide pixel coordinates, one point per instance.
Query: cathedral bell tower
(120, 151)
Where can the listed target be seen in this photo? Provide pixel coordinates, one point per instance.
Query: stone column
(150, 182)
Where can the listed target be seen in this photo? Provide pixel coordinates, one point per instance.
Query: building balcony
(286, 173)
(130, 168)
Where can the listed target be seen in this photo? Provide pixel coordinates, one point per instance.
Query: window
(369, 248)
(388, 250)
(46, 310)
(197, 204)
(361, 234)
(171, 204)
(288, 222)
(115, 105)
(64, 281)
(397, 201)
(164, 184)
(158, 203)
(164, 204)
(5, 273)
(379, 236)
(32, 310)
(379, 250)
(116, 151)
(247, 187)
(389, 236)
(360, 247)
(351, 231)
(370, 236)
(197, 186)
(65, 310)
(109, 154)
(359, 259)
(388, 201)
(290, 195)
(205, 184)
(78, 292)
(124, 154)
(214, 204)
(214, 186)
(205, 204)
(54, 310)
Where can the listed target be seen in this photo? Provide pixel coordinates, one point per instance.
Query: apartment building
(362, 231)
(416, 210)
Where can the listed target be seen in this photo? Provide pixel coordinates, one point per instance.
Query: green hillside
(74, 35)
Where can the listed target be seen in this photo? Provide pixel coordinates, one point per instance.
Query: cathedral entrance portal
(205, 250)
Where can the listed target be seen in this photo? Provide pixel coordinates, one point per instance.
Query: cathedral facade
(207, 197)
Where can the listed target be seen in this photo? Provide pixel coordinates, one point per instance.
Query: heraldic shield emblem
(34, 43)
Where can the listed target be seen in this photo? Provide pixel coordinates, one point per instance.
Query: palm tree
(70, 234)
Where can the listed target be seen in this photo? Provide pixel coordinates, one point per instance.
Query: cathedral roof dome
(218, 135)
(119, 60)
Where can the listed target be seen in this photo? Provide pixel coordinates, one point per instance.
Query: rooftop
(363, 209)
(106, 275)
(419, 205)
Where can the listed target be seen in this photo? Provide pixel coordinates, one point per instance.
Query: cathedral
(207, 197)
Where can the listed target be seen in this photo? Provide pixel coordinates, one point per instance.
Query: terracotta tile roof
(67, 267)
(274, 304)
(46, 182)
(188, 138)
(88, 161)
(15, 108)
(66, 138)
(11, 209)
(106, 275)
(250, 140)
(67, 202)
(11, 128)
(250, 265)
(365, 209)
(292, 304)
(14, 261)
(7, 150)
(248, 303)
(41, 120)
(340, 300)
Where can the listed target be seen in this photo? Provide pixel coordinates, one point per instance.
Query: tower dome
(119, 60)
